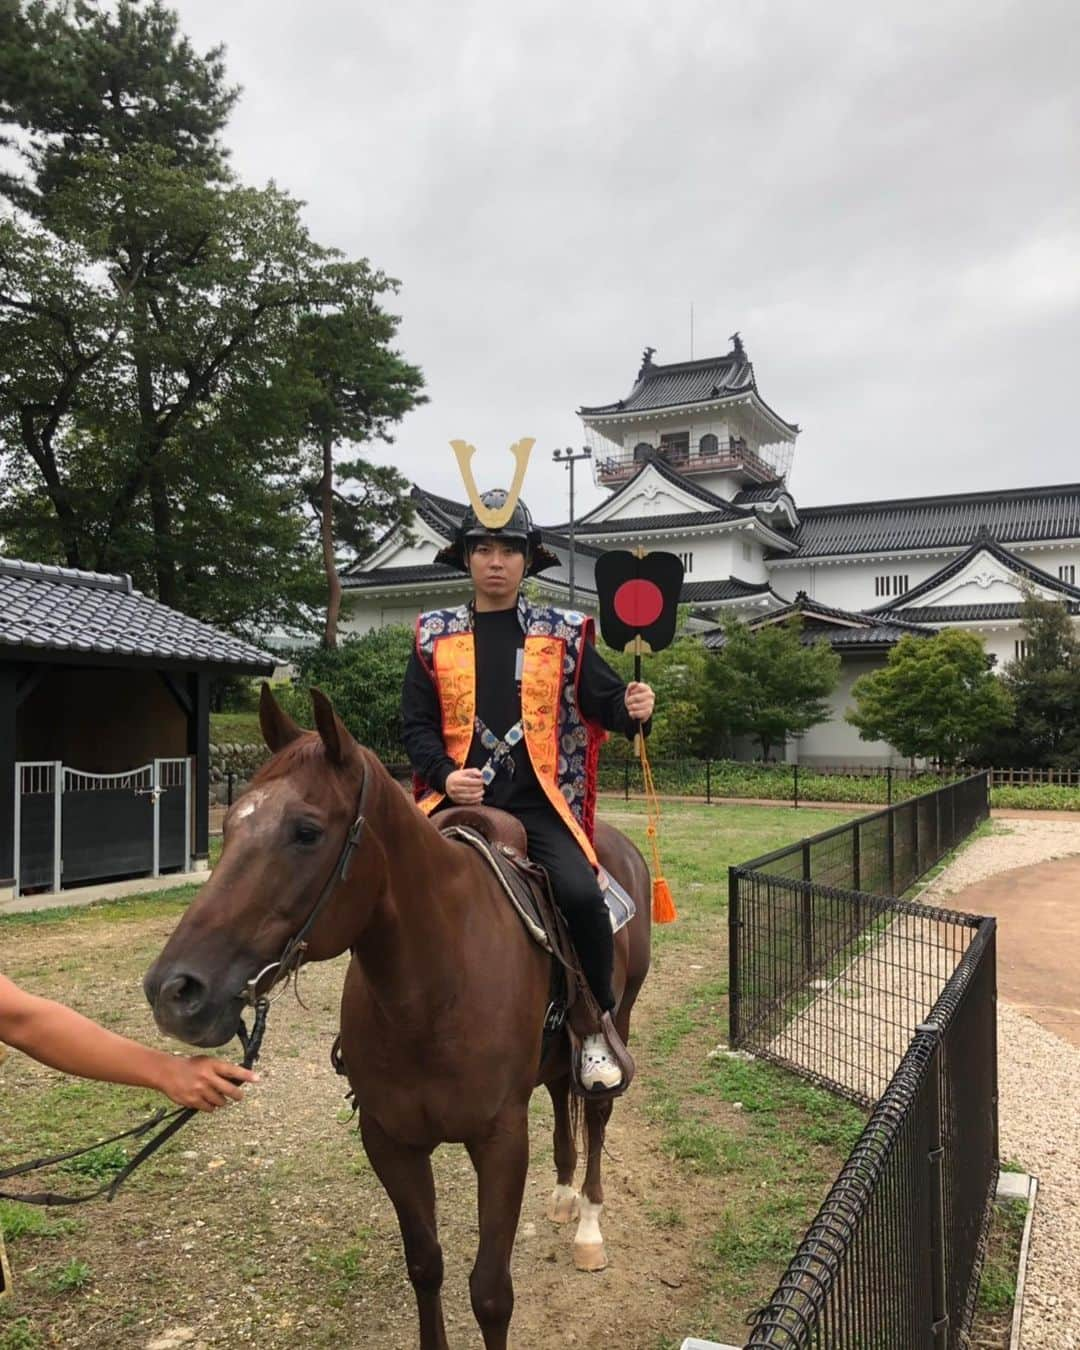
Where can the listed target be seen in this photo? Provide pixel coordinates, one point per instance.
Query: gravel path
(1039, 1090)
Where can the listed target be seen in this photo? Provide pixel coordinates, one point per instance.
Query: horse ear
(334, 733)
(277, 726)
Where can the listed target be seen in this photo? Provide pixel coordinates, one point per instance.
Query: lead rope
(170, 1122)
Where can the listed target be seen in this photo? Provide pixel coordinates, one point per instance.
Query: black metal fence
(890, 1002)
(775, 780)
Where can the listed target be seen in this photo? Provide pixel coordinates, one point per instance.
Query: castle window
(1023, 649)
(709, 444)
(687, 560)
(897, 583)
(748, 553)
(643, 452)
(1067, 573)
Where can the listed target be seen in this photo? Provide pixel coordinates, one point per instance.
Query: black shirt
(498, 640)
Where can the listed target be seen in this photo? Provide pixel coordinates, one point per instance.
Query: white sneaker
(598, 1065)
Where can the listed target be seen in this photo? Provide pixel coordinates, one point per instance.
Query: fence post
(708, 782)
(228, 788)
(888, 789)
(796, 785)
(734, 924)
(155, 802)
(936, 1178)
(807, 909)
(58, 824)
(626, 779)
(890, 838)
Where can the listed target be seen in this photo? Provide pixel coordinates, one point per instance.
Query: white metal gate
(74, 827)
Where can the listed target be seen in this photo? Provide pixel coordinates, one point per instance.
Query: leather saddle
(501, 840)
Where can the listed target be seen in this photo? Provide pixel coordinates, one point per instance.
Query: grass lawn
(235, 728)
(716, 1165)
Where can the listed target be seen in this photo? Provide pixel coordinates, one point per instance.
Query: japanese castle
(696, 463)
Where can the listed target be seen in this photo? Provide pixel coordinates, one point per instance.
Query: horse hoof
(589, 1256)
(563, 1205)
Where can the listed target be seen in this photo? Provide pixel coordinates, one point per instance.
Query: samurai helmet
(519, 526)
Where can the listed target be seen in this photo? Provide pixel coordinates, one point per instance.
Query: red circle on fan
(639, 603)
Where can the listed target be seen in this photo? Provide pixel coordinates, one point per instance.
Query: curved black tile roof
(733, 588)
(938, 614)
(61, 609)
(683, 383)
(938, 522)
(839, 627)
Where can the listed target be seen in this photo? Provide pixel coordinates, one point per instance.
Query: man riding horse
(505, 704)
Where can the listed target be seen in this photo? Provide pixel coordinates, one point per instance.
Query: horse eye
(307, 834)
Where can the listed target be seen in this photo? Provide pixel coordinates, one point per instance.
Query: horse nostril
(184, 994)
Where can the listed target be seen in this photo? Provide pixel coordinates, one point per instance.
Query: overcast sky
(884, 199)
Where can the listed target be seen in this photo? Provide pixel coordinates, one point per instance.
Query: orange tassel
(663, 906)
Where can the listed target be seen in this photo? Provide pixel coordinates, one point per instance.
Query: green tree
(363, 677)
(1045, 688)
(934, 698)
(677, 674)
(359, 387)
(81, 80)
(154, 394)
(766, 682)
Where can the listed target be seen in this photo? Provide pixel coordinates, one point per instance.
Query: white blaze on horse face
(250, 804)
(259, 811)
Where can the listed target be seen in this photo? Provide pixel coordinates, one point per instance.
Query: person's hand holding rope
(65, 1040)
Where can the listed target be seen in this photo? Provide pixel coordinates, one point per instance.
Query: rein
(172, 1121)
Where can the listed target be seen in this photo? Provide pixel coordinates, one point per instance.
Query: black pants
(577, 893)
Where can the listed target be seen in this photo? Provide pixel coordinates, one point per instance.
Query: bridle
(288, 963)
(292, 954)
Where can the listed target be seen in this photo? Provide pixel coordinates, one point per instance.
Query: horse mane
(293, 756)
(308, 749)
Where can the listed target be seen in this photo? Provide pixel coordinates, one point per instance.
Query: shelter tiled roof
(760, 492)
(60, 609)
(939, 522)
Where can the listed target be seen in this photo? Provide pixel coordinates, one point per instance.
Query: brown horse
(444, 1000)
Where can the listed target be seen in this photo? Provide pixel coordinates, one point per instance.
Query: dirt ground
(264, 1223)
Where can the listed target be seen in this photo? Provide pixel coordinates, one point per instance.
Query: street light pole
(569, 458)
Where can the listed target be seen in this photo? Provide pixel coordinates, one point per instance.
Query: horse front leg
(501, 1159)
(406, 1175)
(563, 1203)
(589, 1253)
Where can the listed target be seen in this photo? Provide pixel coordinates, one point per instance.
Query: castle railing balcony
(711, 454)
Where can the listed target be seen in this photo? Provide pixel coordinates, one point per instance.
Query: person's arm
(421, 726)
(602, 696)
(65, 1040)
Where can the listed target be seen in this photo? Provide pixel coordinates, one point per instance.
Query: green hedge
(776, 782)
(1044, 798)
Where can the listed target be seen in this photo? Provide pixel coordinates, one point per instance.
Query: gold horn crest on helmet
(501, 513)
(494, 517)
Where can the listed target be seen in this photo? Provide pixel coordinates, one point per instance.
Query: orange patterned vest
(561, 744)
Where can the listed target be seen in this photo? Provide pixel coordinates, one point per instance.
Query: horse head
(283, 840)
